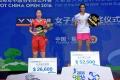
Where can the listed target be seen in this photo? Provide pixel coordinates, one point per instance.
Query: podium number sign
(42, 65)
(84, 57)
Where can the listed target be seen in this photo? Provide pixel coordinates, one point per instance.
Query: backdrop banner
(16, 40)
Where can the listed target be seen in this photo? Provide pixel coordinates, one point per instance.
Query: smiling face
(82, 8)
(38, 14)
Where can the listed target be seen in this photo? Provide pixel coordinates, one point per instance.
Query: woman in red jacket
(38, 29)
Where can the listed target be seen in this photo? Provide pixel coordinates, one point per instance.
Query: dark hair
(81, 5)
(38, 10)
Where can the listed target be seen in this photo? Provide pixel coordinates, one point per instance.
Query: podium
(86, 72)
(33, 76)
(84, 66)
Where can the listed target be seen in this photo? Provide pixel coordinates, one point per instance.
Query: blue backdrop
(61, 37)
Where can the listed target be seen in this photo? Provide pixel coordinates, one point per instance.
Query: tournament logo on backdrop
(94, 39)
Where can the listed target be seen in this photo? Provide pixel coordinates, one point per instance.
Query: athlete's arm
(75, 23)
(30, 29)
(46, 26)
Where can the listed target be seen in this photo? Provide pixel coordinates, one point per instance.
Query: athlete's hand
(34, 33)
(45, 30)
